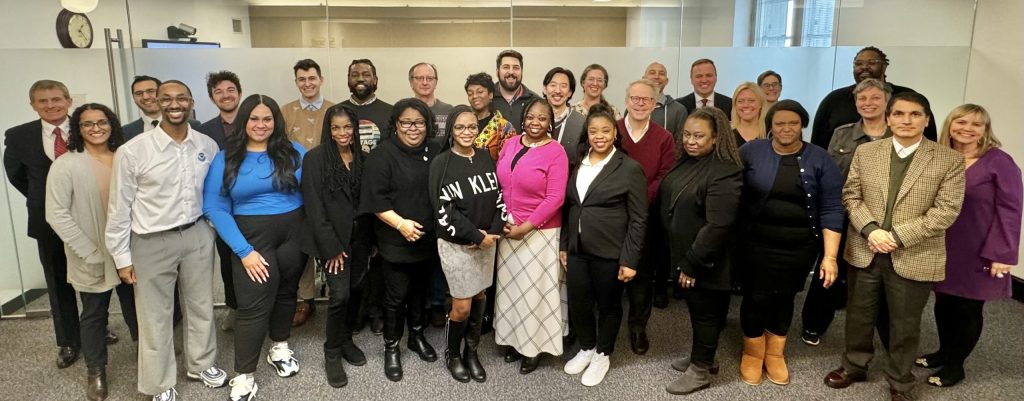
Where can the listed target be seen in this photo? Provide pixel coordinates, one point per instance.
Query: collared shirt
(49, 137)
(587, 173)
(638, 137)
(148, 122)
(710, 99)
(904, 151)
(515, 96)
(317, 104)
(157, 185)
(559, 123)
(356, 102)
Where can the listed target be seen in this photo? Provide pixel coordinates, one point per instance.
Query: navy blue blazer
(215, 130)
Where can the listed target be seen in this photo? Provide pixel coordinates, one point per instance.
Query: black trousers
(63, 304)
(821, 303)
(270, 306)
(708, 312)
(960, 321)
(406, 286)
(905, 300)
(371, 293)
(345, 292)
(641, 288)
(225, 254)
(592, 281)
(771, 312)
(95, 313)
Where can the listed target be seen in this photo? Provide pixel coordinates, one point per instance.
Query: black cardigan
(332, 219)
(697, 204)
(613, 216)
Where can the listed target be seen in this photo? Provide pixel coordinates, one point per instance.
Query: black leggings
(405, 293)
(959, 322)
(346, 293)
(772, 312)
(591, 282)
(708, 311)
(270, 306)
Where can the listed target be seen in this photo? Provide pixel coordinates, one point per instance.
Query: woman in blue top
(252, 197)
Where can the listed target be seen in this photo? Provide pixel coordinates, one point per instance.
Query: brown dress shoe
(899, 395)
(840, 378)
(302, 313)
(96, 385)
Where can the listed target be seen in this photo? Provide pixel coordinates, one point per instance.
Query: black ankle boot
(452, 355)
(474, 326)
(335, 371)
(419, 345)
(392, 360)
(96, 389)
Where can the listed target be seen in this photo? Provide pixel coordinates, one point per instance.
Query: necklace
(472, 152)
(541, 142)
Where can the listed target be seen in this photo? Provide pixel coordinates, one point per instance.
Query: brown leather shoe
(96, 385)
(840, 378)
(303, 311)
(899, 395)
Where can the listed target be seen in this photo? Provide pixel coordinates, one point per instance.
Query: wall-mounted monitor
(177, 44)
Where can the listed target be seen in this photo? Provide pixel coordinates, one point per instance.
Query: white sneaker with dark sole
(283, 360)
(168, 395)
(212, 377)
(243, 388)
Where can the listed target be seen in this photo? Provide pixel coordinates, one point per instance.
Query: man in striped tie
(30, 149)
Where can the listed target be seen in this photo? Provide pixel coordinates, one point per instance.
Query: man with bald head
(667, 112)
(158, 238)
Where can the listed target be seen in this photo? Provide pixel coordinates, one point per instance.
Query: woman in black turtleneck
(394, 188)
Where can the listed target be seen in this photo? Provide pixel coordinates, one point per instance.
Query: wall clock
(74, 30)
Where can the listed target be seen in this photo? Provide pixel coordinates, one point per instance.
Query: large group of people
(531, 215)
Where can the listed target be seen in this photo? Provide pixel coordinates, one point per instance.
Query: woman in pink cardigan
(530, 307)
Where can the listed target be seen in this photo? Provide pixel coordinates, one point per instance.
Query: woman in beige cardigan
(76, 207)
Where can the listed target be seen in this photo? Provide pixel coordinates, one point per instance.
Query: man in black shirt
(839, 108)
(511, 94)
(373, 113)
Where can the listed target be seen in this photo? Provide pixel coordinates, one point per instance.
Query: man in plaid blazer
(902, 193)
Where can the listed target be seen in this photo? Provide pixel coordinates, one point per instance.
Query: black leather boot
(474, 326)
(453, 355)
(96, 389)
(419, 345)
(392, 355)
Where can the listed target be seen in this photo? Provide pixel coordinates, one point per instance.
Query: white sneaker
(213, 377)
(578, 363)
(168, 395)
(243, 388)
(596, 371)
(282, 359)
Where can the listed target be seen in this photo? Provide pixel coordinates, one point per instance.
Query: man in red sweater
(653, 147)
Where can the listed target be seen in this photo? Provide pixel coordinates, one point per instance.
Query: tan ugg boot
(775, 359)
(752, 361)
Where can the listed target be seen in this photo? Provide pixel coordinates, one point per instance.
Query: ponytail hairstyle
(596, 111)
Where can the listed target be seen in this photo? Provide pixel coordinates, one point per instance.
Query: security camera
(182, 31)
(191, 30)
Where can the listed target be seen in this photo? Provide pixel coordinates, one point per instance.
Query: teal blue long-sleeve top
(253, 193)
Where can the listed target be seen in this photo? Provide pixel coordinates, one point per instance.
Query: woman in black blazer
(602, 235)
(697, 204)
(338, 238)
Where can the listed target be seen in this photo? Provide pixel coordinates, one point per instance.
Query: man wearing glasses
(144, 95)
(157, 238)
(839, 107)
(423, 80)
(653, 147)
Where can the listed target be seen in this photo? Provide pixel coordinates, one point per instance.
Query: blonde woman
(749, 106)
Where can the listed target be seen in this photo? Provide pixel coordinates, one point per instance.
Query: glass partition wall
(811, 43)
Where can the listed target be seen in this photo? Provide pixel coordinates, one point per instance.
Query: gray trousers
(162, 259)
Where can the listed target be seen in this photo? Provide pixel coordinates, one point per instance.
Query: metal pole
(110, 68)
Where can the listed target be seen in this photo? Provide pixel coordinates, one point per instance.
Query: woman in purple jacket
(981, 246)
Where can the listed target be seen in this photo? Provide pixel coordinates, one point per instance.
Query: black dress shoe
(66, 356)
(111, 338)
(841, 378)
(377, 325)
(511, 355)
(96, 385)
(638, 342)
(529, 364)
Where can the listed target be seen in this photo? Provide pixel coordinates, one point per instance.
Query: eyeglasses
(641, 99)
(466, 128)
(424, 79)
(773, 85)
(89, 125)
(164, 101)
(139, 93)
(419, 124)
(863, 63)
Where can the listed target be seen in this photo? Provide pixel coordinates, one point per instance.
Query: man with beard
(423, 80)
(667, 113)
(157, 237)
(511, 94)
(225, 91)
(839, 107)
(373, 113)
(144, 95)
(304, 120)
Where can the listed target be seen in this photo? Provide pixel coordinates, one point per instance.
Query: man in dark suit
(511, 95)
(704, 76)
(30, 150)
(144, 95)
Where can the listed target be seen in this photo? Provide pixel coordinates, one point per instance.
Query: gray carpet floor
(995, 370)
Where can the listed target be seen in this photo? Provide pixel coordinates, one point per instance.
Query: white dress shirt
(904, 151)
(710, 99)
(147, 122)
(157, 185)
(588, 172)
(49, 137)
